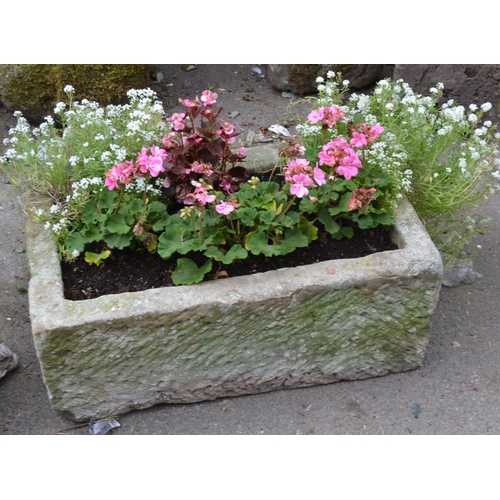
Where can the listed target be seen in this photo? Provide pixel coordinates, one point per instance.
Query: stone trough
(295, 327)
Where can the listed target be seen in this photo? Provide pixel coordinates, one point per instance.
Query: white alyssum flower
(69, 89)
(486, 106)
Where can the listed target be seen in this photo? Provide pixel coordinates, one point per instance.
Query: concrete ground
(455, 392)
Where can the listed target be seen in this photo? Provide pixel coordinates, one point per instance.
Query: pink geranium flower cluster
(361, 198)
(301, 176)
(328, 115)
(148, 162)
(365, 135)
(339, 155)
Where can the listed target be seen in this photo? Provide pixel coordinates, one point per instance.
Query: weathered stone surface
(297, 327)
(8, 360)
(34, 89)
(301, 78)
(464, 83)
(261, 159)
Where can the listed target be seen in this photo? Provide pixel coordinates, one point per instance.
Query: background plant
(443, 157)
(65, 158)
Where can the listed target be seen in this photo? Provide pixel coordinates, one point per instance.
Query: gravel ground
(455, 392)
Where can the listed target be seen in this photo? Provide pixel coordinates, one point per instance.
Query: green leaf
(324, 216)
(247, 216)
(176, 239)
(257, 243)
(75, 241)
(117, 224)
(91, 233)
(294, 238)
(235, 252)
(119, 241)
(156, 207)
(162, 223)
(344, 232)
(108, 199)
(187, 272)
(266, 217)
(366, 221)
(343, 204)
(96, 258)
(384, 218)
(309, 229)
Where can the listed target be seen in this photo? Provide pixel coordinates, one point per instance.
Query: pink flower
(208, 97)
(361, 198)
(316, 115)
(375, 131)
(329, 116)
(177, 120)
(120, 174)
(333, 152)
(299, 189)
(241, 151)
(296, 166)
(111, 182)
(319, 176)
(224, 208)
(332, 115)
(358, 140)
(227, 132)
(151, 164)
(188, 103)
(169, 141)
(200, 195)
(347, 171)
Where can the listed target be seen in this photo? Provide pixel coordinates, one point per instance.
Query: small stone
(8, 360)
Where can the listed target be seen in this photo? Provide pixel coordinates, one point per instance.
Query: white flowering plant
(65, 156)
(442, 157)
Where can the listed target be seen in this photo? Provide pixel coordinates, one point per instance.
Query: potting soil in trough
(135, 270)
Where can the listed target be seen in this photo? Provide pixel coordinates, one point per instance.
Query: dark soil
(134, 270)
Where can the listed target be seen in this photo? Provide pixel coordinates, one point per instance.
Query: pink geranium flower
(224, 208)
(299, 188)
(319, 176)
(358, 140)
(316, 115)
(152, 164)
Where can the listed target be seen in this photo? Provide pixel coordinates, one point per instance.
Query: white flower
(473, 107)
(59, 107)
(486, 106)
(320, 79)
(473, 118)
(69, 89)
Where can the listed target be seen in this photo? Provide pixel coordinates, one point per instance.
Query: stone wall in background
(464, 83)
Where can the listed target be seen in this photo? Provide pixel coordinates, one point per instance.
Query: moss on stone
(34, 89)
